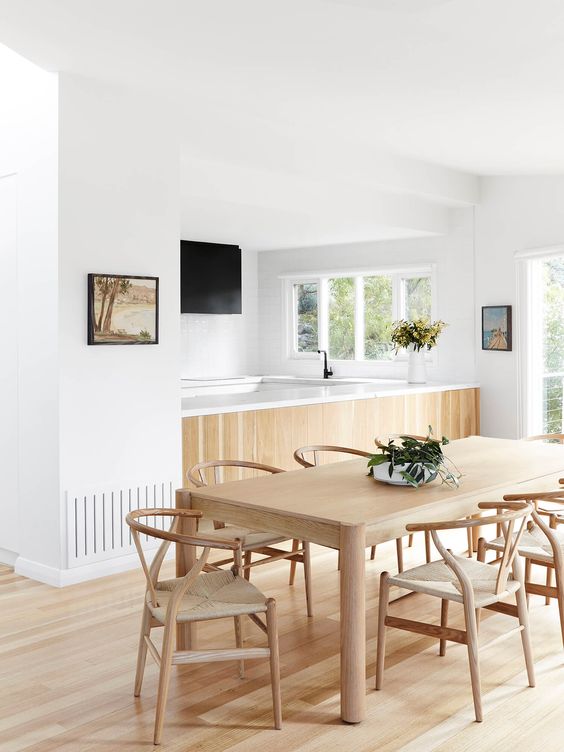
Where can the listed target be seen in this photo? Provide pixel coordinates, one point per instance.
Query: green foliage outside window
(307, 318)
(378, 318)
(553, 355)
(341, 318)
(378, 314)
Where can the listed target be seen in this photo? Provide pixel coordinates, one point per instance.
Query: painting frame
(494, 314)
(94, 337)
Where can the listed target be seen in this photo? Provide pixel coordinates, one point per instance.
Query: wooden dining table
(340, 506)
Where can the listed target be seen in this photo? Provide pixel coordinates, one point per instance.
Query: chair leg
(399, 552)
(472, 637)
(142, 652)
(307, 577)
(548, 584)
(478, 619)
(293, 564)
(560, 589)
(523, 614)
(239, 643)
(481, 550)
(470, 542)
(248, 559)
(410, 540)
(272, 633)
(164, 678)
(528, 566)
(372, 553)
(444, 623)
(382, 613)
(427, 546)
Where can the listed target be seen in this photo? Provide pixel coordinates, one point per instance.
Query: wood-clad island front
(271, 435)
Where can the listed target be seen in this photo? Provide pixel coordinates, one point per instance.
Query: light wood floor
(67, 660)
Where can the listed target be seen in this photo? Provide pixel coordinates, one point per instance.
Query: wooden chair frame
(168, 655)
(557, 437)
(555, 518)
(315, 449)
(300, 553)
(507, 514)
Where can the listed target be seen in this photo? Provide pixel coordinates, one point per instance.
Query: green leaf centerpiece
(411, 461)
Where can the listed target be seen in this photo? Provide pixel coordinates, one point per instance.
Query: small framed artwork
(123, 309)
(497, 330)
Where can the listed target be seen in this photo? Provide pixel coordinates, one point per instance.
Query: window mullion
(397, 313)
(359, 318)
(323, 313)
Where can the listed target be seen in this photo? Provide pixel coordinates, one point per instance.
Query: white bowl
(382, 473)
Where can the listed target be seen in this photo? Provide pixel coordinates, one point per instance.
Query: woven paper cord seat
(437, 579)
(249, 538)
(534, 544)
(212, 596)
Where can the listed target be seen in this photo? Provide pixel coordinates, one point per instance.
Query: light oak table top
(322, 498)
(338, 505)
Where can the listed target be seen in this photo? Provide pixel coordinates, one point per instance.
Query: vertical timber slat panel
(270, 436)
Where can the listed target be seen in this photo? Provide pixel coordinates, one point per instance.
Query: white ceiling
(375, 98)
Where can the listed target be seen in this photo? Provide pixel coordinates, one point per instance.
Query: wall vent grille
(96, 527)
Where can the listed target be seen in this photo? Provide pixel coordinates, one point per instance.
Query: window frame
(529, 337)
(398, 275)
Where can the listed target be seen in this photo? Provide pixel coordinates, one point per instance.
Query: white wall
(453, 256)
(9, 429)
(119, 213)
(30, 464)
(515, 214)
(219, 345)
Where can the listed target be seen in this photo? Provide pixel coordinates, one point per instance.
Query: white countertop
(300, 392)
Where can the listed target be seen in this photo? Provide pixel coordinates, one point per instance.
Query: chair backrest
(557, 438)
(508, 513)
(553, 512)
(197, 473)
(384, 439)
(314, 450)
(171, 536)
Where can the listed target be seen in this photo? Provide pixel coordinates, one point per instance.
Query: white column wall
(29, 497)
(119, 213)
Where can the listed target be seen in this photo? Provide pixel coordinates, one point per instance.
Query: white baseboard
(8, 557)
(63, 577)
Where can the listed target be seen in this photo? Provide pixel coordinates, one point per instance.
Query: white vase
(416, 370)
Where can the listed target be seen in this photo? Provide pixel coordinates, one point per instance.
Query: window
(378, 316)
(341, 318)
(543, 345)
(307, 326)
(351, 315)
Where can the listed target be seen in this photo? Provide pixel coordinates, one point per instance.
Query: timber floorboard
(67, 664)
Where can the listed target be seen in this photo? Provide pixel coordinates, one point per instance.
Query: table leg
(185, 560)
(353, 624)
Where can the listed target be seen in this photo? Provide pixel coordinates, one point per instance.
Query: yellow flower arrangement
(419, 333)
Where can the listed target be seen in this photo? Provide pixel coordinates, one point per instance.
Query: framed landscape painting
(497, 330)
(123, 310)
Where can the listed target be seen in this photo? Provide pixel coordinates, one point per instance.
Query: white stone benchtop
(211, 397)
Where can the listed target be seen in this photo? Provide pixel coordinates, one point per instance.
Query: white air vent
(96, 527)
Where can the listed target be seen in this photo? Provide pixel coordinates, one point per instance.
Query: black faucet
(326, 371)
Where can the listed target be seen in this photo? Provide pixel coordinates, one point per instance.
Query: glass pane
(306, 296)
(417, 298)
(552, 404)
(341, 318)
(553, 319)
(378, 318)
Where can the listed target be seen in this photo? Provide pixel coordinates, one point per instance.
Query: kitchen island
(264, 419)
